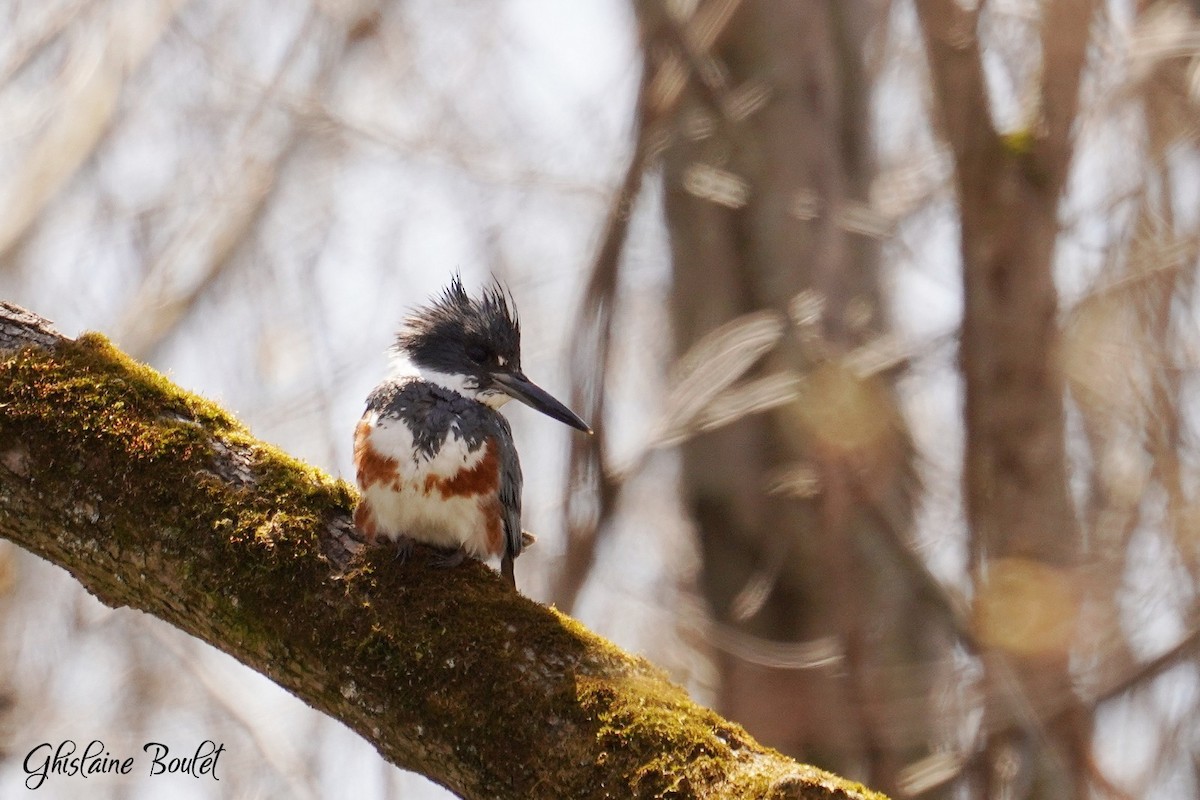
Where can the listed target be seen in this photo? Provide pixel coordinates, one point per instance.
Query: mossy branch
(156, 499)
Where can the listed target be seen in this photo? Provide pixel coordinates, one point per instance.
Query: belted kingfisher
(434, 459)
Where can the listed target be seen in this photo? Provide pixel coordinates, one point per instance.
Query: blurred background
(735, 237)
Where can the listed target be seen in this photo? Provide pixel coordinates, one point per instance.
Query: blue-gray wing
(510, 489)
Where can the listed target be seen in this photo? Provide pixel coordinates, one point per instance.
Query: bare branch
(1066, 31)
(956, 68)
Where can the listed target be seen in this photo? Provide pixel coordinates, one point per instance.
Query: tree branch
(156, 499)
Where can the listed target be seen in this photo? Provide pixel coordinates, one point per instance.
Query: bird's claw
(404, 548)
(447, 559)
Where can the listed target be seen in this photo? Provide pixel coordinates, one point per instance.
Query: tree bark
(156, 499)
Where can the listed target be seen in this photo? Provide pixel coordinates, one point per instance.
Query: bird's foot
(404, 547)
(447, 559)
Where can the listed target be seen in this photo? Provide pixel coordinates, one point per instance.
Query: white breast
(409, 505)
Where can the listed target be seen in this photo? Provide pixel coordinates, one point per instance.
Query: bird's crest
(455, 326)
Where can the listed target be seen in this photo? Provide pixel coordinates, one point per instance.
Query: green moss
(127, 380)
(1018, 143)
(149, 453)
(1021, 147)
(649, 724)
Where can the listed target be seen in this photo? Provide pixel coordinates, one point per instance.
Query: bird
(434, 459)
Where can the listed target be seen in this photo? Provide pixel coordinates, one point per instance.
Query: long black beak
(517, 386)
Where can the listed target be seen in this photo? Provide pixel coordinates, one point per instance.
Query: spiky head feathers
(460, 334)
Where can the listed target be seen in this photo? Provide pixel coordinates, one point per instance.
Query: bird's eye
(477, 353)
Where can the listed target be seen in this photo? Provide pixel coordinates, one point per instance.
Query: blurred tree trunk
(1025, 538)
(766, 171)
